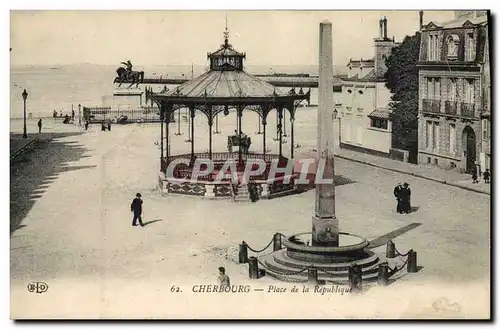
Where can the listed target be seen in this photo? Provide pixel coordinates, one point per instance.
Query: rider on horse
(128, 64)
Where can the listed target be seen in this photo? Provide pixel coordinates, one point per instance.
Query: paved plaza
(72, 229)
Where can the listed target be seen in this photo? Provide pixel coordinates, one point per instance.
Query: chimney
(381, 28)
(385, 28)
(421, 14)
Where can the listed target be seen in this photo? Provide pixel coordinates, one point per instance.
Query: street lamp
(79, 115)
(335, 113)
(25, 96)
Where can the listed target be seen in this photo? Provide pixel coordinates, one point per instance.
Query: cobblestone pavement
(77, 236)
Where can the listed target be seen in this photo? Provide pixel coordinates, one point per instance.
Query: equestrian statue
(126, 74)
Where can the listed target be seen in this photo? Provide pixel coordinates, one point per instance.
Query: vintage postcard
(250, 164)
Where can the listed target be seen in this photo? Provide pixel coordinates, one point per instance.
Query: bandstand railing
(183, 171)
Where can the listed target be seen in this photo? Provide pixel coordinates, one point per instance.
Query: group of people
(403, 196)
(486, 176)
(54, 114)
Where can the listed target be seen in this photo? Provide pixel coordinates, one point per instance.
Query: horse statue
(234, 140)
(135, 77)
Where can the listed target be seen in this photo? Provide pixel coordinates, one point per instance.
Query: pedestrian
(40, 126)
(223, 278)
(109, 125)
(60, 114)
(72, 114)
(398, 196)
(406, 198)
(474, 176)
(86, 125)
(103, 127)
(136, 208)
(487, 176)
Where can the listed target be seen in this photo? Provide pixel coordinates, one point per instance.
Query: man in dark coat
(136, 208)
(486, 176)
(406, 196)
(40, 126)
(397, 194)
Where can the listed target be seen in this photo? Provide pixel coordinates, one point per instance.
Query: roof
(226, 51)
(227, 84)
(458, 22)
(370, 76)
(380, 113)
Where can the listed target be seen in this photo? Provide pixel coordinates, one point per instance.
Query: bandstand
(226, 86)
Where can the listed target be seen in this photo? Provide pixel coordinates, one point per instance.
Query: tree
(402, 81)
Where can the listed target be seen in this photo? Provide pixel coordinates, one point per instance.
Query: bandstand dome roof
(225, 79)
(226, 84)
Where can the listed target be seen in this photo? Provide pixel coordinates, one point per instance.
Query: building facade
(362, 104)
(452, 65)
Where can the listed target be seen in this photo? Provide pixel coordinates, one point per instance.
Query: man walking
(40, 126)
(136, 208)
(406, 196)
(397, 194)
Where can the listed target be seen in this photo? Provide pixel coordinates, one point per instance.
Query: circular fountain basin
(350, 248)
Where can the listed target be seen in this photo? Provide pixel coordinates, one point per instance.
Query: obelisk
(325, 226)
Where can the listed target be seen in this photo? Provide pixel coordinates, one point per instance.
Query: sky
(184, 37)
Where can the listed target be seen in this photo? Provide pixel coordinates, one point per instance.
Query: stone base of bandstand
(332, 263)
(220, 190)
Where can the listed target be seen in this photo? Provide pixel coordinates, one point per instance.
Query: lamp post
(335, 114)
(79, 115)
(25, 96)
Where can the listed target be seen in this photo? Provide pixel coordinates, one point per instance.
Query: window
(452, 93)
(433, 88)
(359, 135)
(453, 137)
(360, 92)
(435, 161)
(452, 42)
(429, 160)
(349, 91)
(470, 47)
(349, 109)
(428, 133)
(469, 91)
(435, 136)
(486, 129)
(360, 110)
(433, 49)
(378, 123)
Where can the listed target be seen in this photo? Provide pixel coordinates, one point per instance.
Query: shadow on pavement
(152, 221)
(35, 170)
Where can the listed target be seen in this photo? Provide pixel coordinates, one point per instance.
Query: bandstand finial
(226, 34)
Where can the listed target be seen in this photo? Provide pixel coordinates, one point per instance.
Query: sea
(63, 87)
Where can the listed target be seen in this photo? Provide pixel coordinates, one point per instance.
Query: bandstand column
(292, 139)
(210, 123)
(192, 114)
(167, 133)
(264, 124)
(240, 114)
(280, 117)
(162, 115)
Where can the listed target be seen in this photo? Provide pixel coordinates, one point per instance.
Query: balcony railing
(431, 105)
(467, 110)
(450, 107)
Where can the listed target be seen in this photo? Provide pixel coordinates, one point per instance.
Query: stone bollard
(391, 250)
(253, 268)
(412, 261)
(312, 275)
(355, 278)
(383, 274)
(243, 253)
(276, 242)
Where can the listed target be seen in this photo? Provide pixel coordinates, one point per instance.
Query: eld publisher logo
(38, 287)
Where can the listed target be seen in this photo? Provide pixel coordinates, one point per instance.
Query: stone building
(362, 104)
(454, 93)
